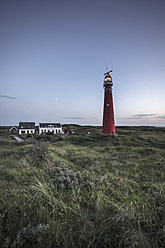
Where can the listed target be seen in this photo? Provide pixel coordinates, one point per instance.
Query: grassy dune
(84, 190)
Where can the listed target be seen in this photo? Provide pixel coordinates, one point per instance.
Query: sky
(54, 53)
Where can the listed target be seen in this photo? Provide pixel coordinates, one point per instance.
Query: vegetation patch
(83, 190)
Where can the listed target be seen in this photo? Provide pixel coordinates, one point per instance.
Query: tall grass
(87, 190)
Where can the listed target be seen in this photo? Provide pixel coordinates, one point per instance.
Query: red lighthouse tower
(108, 114)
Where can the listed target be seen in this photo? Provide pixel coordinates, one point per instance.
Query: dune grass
(83, 190)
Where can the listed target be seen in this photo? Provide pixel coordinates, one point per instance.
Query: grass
(83, 190)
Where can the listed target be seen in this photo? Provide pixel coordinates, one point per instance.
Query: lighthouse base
(112, 133)
(108, 127)
(115, 134)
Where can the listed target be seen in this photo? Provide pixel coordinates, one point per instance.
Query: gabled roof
(26, 125)
(13, 127)
(47, 125)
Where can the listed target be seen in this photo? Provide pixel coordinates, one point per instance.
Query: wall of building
(54, 130)
(14, 131)
(26, 131)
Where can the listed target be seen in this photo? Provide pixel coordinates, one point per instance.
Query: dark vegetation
(83, 190)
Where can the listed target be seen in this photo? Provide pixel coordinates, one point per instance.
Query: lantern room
(108, 80)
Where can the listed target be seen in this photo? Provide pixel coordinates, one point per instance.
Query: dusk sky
(54, 53)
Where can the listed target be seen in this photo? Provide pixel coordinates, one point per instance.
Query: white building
(54, 128)
(26, 127)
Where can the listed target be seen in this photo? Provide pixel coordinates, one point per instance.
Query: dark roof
(49, 124)
(26, 125)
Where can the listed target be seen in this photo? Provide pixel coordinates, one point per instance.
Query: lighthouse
(108, 113)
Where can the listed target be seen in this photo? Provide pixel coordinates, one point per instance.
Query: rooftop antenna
(108, 72)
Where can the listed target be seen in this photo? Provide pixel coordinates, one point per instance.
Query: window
(22, 131)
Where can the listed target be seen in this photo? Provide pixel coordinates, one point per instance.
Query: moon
(56, 98)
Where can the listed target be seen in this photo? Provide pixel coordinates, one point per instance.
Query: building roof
(14, 127)
(26, 125)
(47, 125)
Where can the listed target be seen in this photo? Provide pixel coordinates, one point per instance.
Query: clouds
(144, 115)
(160, 117)
(147, 116)
(8, 97)
(155, 119)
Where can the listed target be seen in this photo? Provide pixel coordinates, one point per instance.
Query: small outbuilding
(14, 130)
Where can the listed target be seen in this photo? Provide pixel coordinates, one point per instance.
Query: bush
(29, 235)
(68, 179)
(39, 153)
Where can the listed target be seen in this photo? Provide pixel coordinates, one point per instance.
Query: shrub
(68, 179)
(39, 153)
(29, 235)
